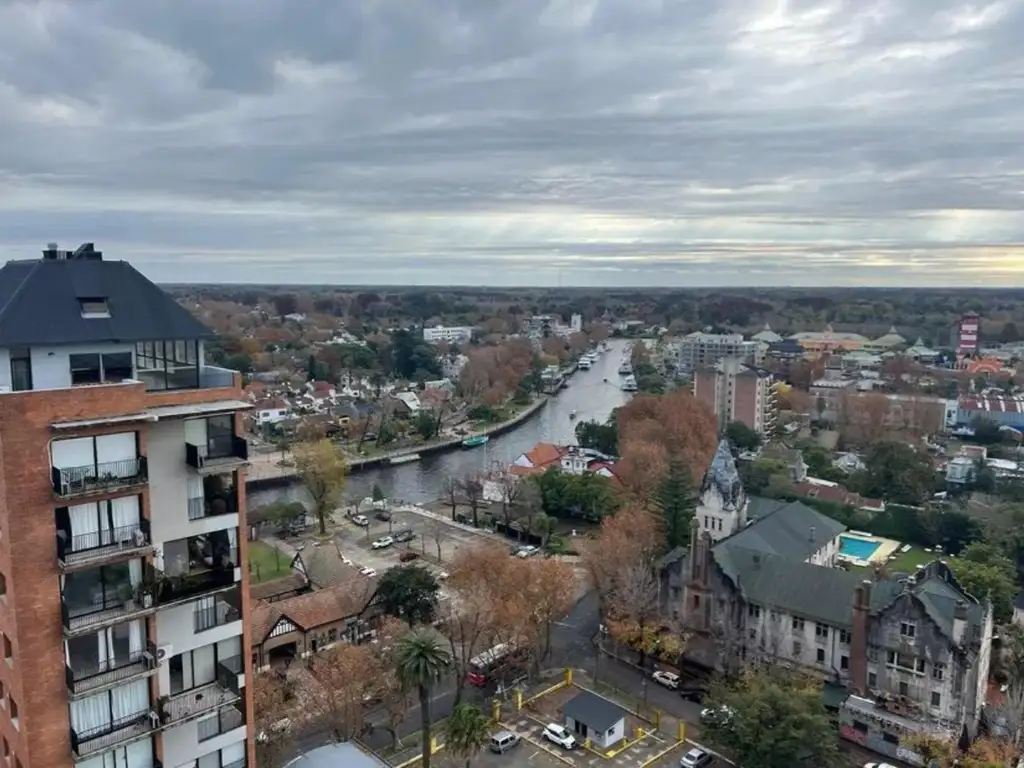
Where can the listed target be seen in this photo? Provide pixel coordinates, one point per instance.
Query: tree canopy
(323, 469)
(676, 502)
(741, 436)
(772, 718)
(598, 436)
(988, 574)
(894, 471)
(587, 496)
(409, 593)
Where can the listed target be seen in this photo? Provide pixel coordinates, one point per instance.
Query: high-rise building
(123, 577)
(737, 392)
(698, 348)
(966, 335)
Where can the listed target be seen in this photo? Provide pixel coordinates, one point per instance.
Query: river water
(592, 394)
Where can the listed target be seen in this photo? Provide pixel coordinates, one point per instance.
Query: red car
(405, 557)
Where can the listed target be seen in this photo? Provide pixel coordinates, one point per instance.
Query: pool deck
(885, 548)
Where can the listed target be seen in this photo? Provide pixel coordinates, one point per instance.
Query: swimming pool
(859, 549)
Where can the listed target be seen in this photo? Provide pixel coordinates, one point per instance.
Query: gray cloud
(601, 142)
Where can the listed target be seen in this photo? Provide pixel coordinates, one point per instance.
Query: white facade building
(455, 334)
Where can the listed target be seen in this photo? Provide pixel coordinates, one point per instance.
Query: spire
(723, 475)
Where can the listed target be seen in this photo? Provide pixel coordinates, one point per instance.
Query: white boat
(585, 363)
(629, 384)
(404, 459)
(572, 415)
(625, 369)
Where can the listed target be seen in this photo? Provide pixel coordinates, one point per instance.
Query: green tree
(987, 574)
(741, 436)
(771, 718)
(323, 470)
(409, 593)
(588, 496)
(467, 732)
(425, 424)
(676, 503)
(420, 663)
(598, 436)
(377, 494)
(894, 471)
(760, 475)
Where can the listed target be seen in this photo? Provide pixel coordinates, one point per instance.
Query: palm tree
(420, 663)
(467, 732)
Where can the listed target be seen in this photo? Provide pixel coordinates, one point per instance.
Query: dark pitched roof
(793, 530)
(39, 304)
(593, 711)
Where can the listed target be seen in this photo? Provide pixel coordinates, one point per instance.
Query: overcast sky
(520, 142)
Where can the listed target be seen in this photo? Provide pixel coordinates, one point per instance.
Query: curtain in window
(138, 755)
(195, 486)
(204, 665)
(129, 700)
(90, 714)
(135, 572)
(85, 526)
(232, 752)
(135, 637)
(124, 517)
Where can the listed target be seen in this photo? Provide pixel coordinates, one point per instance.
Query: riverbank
(265, 470)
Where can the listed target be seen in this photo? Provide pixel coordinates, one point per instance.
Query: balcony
(84, 679)
(112, 734)
(201, 508)
(226, 608)
(111, 605)
(203, 700)
(173, 589)
(91, 549)
(220, 454)
(72, 482)
(227, 719)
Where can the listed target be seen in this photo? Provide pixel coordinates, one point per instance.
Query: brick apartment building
(737, 392)
(123, 587)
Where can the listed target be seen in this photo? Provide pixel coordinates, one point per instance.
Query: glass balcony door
(106, 650)
(99, 589)
(168, 364)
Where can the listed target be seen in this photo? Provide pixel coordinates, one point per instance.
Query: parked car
(695, 758)
(367, 571)
(382, 514)
(360, 520)
(879, 765)
(408, 555)
(527, 551)
(559, 735)
(695, 695)
(503, 741)
(719, 715)
(406, 534)
(383, 542)
(668, 679)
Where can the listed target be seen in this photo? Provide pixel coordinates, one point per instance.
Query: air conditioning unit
(163, 653)
(154, 719)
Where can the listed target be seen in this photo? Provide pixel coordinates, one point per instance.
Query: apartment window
(117, 366)
(938, 671)
(96, 368)
(798, 624)
(844, 636)
(773, 615)
(821, 655)
(798, 649)
(94, 308)
(904, 689)
(754, 611)
(3, 586)
(696, 601)
(889, 738)
(13, 706)
(85, 369)
(872, 679)
(168, 364)
(844, 662)
(752, 634)
(21, 369)
(908, 629)
(936, 699)
(860, 727)
(821, 630)
(8, 650)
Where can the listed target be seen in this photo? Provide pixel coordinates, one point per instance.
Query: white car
(668, 679)
(383, 542)
(526, 551)
(367, 571)
(360, 520)
(695, 758)
(719, 715)
(879, 765)
(559, 735)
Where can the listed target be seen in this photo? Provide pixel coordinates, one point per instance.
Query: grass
(267, 563)
(910, 560)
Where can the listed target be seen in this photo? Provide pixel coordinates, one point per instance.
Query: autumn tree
(656, 429)
(322, 467)
(270, 699)
(344, 677)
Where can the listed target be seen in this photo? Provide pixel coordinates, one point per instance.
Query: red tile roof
(314, 609)
(543, 454)
(994, 403)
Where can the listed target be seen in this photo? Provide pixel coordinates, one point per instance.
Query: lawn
(266, 562)
(910, 561)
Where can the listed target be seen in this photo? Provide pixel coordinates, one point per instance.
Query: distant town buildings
(452, 334)
(700, 349)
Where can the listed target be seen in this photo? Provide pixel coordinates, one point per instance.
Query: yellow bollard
(568, 676)
(586, 742)
(639, 733)
(433, 744)
(682, 731)
(657, 719)
(519, 699)
(496, 710)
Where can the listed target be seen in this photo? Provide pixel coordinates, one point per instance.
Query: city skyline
(533, 143)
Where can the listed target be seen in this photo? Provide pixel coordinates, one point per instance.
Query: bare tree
(473, 489)
(452, 486)
(438, 532)
(510, 487)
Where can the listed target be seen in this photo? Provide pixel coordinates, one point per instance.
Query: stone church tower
(722, 507)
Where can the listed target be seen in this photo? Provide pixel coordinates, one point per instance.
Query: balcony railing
(222, 504)
(99, 478)
(224, 611)
(110, 609)
(227, 719)
(174, 588)
(228, 671)
(239, 763)
(109, 735)
(102, 545)
(83, 678)
(225, 450)
(198, 701)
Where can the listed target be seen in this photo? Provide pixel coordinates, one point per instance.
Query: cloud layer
(520, 142)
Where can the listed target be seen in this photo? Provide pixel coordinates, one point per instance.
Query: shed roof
(593, 711)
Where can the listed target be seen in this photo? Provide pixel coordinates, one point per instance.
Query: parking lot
(431, 537)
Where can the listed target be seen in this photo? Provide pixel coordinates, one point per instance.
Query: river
(589, 394)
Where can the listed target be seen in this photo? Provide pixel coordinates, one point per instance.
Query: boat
(629, 384)
(405, 459)
(475, 441)
(585, 363)
(625, 369)
(572, 415)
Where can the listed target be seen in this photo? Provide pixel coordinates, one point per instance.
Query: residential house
(538, 459)
(834, 493)
(848, 462)
(790, 457)
(298, 626)
(407, 403)
(595, 719)
(828, 341)
(451, 334)
(272, 411)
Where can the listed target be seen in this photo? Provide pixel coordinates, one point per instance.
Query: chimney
(859, 638)
(757, 560)
(50, 252)
(959, 622)
(812, 534)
